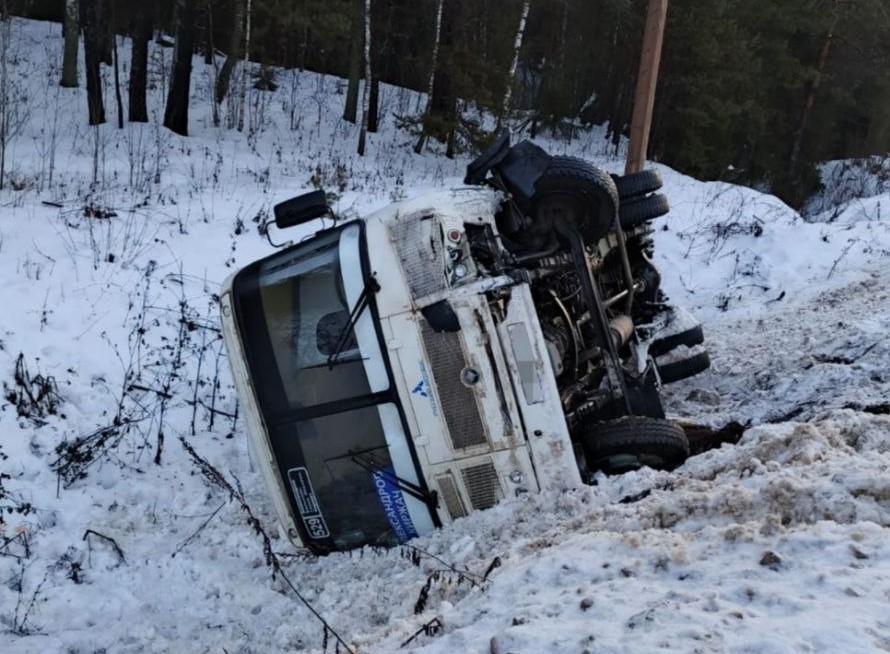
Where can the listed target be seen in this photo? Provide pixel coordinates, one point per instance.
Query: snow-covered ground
(111, 250)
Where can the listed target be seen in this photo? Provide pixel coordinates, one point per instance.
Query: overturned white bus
(403, 369)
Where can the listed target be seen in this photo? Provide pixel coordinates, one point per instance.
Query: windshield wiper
(371, 286)
(370, 464)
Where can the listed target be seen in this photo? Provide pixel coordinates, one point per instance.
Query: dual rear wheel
(632, 442)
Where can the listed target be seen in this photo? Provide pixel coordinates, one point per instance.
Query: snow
(776, 544)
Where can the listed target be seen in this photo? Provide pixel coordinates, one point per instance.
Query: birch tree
(7, 101)
(366, 92)
(243, 93)
(13, 108)
(517, 46)
(432, 78)
(71, 31)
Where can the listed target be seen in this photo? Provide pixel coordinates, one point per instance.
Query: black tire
(635, 184)
(642, 210)
(689, 337)
(572, 185)
(677, 370)
(632, 442)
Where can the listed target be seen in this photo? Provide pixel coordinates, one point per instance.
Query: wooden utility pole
(647, 78)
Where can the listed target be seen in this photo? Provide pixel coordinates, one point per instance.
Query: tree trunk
(72, 39)
(117, 85)
(366, 93)
(106, 33)
(214, 106)
(374, 106)
(92, 49)
(809, 101)
(432, 78)
(176, 114)
(443, 101)
(138, 109)
(517, 45)
(450, 146)
(350, 109)
(205, 20)
(223, 80)
(6, 102)
(382, 40)
(243, 92)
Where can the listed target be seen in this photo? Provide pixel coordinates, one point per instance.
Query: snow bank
(730, 249)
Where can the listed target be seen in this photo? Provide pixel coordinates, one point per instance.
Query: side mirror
(301, 209)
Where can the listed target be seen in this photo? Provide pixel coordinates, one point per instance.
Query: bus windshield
(330, 411)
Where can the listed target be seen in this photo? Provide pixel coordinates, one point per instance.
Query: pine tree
(711, 116)
(848, 58)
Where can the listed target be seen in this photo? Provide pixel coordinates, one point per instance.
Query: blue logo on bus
(424, 388)
(420, 389)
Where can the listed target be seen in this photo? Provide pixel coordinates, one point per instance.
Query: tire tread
(642, 210)
(684, 368)
(639, 183)
(584, 177)
(638, 436)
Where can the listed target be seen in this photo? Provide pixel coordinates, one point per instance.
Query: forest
(754, 92)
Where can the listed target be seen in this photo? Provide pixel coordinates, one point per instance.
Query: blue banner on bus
(394, 505)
